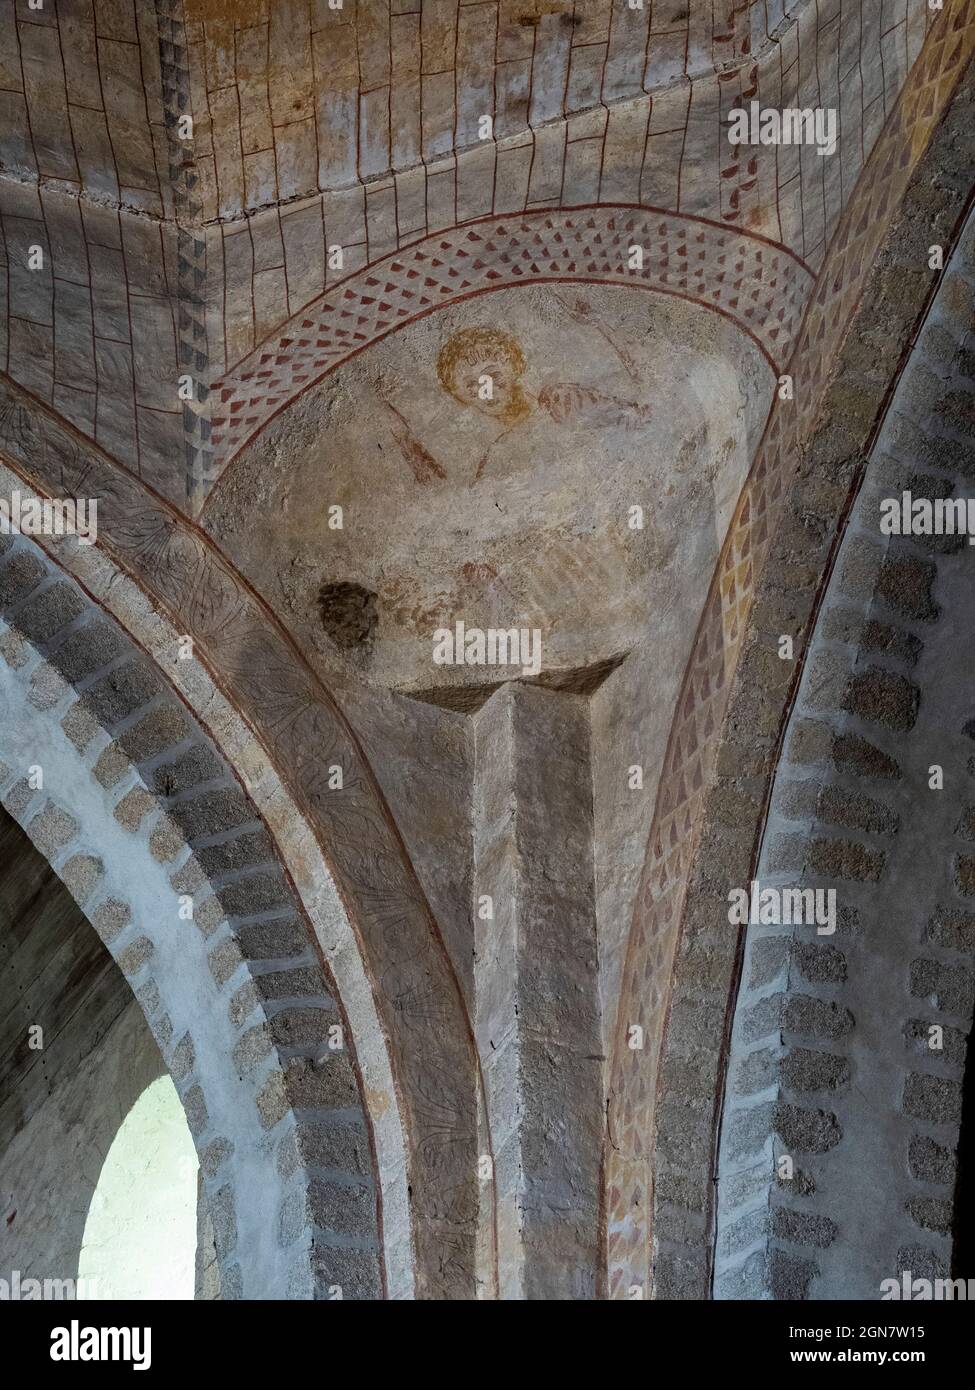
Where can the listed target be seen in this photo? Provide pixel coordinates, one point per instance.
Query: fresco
(514, 462)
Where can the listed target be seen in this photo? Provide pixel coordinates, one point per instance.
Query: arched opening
(87, 1108)
(848, 1048)
(235, 1001)
(140, 1235)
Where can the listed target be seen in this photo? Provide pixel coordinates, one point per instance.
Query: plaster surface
(513, 511)
(51, 1168)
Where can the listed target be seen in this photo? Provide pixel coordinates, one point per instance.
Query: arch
(847, 1049)
(140, 814)
(291, 732)
(680, 966)
(688, 257)
(77, 1055)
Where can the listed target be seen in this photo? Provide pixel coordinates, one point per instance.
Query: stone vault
(362, 322)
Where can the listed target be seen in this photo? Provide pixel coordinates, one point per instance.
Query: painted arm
(422, 463)
(567, 400)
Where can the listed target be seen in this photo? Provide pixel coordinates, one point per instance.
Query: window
(140, 1235)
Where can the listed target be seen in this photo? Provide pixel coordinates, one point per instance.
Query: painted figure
(483, 369)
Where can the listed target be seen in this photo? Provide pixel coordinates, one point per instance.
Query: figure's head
(473, 356)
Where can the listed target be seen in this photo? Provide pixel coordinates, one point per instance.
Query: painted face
(488, 384)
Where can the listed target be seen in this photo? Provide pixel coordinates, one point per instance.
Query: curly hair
(472, 345)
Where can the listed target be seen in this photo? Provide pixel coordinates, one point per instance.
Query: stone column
(535, 974)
